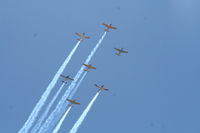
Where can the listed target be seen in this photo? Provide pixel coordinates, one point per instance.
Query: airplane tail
(63, 81)
(86, 70)
(106, 30)
(69, 105)
(79, 39)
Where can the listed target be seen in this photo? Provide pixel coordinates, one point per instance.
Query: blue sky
(154, 88)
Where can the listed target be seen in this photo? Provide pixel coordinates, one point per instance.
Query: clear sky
(153, 89)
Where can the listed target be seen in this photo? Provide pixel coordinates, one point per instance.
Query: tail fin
(80, 39)
(64, 81)
(86, 70)
(106, 30)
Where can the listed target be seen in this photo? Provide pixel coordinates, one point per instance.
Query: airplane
(82, 36)
(108, 26)
(100, 87)
(72, 102)
(66, 78)
(89, 66)
(120, 50)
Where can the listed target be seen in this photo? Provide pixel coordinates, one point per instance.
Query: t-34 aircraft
(65, 78)
(82, 36)
(119, 51)
(89, 66)
(72, 102)
(108, 26)
(101, 87)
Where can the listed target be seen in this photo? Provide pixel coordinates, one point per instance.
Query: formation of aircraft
(72, 102)
(89, 66)
(66, 78)
(82, 36)
(119, 51)
(108, 26)
(101, 87)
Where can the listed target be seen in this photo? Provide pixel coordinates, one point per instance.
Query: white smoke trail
(61, 120)
(83, 115)
(58, 111)
(38, 124)
(78, 84)
(64, 116)
(45, 95)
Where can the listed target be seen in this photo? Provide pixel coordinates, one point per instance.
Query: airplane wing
(91, 67)
(104, 89)
(105, 24)
(69, 100)
(111, 27)
(72, 101)
(96, 85)
(117, 49)
(86, 65)
(76, 103)
(87, 37)
(123, 51)
(78, 34)
(63, 76)
(71, 79)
